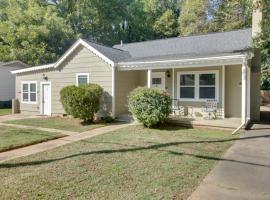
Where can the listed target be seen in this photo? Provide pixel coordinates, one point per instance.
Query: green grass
(130, 163)
(5, 111)
(67, 124)
(11, 138)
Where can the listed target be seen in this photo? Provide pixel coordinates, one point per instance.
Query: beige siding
(81, 61)
(233, 91)
(126, 81)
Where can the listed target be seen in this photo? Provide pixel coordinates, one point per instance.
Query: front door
(158, 80)
(46, 99)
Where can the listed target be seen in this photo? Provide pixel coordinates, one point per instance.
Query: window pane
(32, 87)
(82, 79)
(25, 96)
(187, 92)
(25, 87)
(156, 81)
(33, 97)
(207, 93)
(207, 79)
(187, 79)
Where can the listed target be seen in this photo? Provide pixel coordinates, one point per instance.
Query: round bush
(81, 102)
(150, 106)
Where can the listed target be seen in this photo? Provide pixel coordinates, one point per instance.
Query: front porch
(226, 123)
(225, 80)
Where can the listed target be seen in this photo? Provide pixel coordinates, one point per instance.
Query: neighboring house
(7, 80)
(221, 66)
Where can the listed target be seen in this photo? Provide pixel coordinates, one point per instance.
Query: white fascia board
(184, 63)
(30, 69)
(85, 44)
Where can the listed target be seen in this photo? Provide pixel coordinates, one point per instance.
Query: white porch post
(113, 92)
(244, 91)
(248, 92)
(223, 91)
(149, 77)
(173, 84)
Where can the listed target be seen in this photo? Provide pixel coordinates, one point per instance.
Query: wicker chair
(211, 108)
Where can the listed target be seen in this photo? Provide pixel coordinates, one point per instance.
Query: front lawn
(62, 123)
(11, 138)
(130, 163)
(5, 111)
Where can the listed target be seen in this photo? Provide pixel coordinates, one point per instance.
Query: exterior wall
(255, 80)
(233, 89)
(81, 61)
(126, 81)
(196, 105)
(7, 82)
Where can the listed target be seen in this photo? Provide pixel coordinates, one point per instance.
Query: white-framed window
(29, 92)
(197, 86)
(82, 78)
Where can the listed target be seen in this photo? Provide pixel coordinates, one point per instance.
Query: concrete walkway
(64, 132)
(244, 171)
(16, 153)
(4, 118)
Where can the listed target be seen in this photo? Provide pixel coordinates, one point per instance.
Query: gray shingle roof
(213, 44)
(115, 55)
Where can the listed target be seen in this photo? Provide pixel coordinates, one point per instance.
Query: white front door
(158, 80)
(46, 99)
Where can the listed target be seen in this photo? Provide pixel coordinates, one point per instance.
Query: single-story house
(220, 66)
(7, 80)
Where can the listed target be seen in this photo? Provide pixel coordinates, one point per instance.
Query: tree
(194, 16)
(166, 25)
(262, 41)
(231, 15)
(32, 32)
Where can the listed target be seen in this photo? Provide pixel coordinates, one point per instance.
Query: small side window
(82, 79)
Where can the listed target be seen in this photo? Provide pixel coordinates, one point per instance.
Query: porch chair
(210, 108)
(176, 107)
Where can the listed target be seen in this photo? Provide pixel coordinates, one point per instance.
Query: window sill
(23, 102)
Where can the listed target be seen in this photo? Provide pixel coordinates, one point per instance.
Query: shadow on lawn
(135, 148)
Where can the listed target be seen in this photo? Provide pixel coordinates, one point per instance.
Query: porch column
(149, 77)
(173, 84)
(248, 92)
(223, 91)
(244, 91)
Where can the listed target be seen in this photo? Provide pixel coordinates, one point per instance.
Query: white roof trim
(85, 44)
(63, 57)
(184, 63)
(30, 69)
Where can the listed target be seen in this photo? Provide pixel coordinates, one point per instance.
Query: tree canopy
(39, 31)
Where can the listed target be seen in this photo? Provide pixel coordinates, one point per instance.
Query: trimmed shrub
(81, 102)
(150, 106)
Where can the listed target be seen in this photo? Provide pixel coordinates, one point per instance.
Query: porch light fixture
(45, 77)
(168, 74)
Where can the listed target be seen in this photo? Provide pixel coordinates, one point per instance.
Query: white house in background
(7, 79)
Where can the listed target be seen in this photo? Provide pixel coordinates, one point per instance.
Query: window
(187, 86)
(207, 86)
(196, 86)
(82, 78)
(29, 92)
(156, 81)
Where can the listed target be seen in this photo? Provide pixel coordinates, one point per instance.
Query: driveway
(244, 171)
